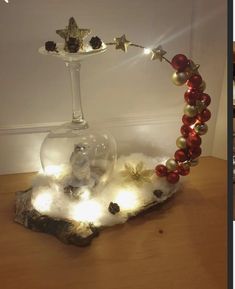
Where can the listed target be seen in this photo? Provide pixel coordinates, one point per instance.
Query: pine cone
(72, 45)
(114, 208)
(95, 42)
(50, 46)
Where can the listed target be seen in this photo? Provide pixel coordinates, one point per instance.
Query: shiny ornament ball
(188, 120)
(179, 78)
(195, 152)
(194, 162)
(183, 170)
(171, 165)
(185, 130)
(181, 142)
(205, 98)
(173, 177)
(200, 106)
(193, 140)
(179, 62)
(191, 96)
(161, 170)
(204, 116)
(202, 87)
(181, 155)
(201, 128)
(190, 110)
(195, 81)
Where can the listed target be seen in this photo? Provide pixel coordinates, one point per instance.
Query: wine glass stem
(74, 74)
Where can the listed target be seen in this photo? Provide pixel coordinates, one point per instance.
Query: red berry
(195, 152)
(194, 140)
(185, 130)
(191, 96)
(204, 116)
(205, 98)
(194, 81)
(161, 170)
(182, 170)
(173, 177)
(181, 155)
(179, 62)
(188, 120)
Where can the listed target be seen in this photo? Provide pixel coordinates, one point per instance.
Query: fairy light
(53, 170)
(6, 1)
(86, 211)
(42, 202)
(85, 194)
(147, 51)
(127, 199)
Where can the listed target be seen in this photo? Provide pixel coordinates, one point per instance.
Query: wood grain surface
(182, 244)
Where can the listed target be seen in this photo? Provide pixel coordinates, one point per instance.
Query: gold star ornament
(122, 43)
(136, 174)
(158, 53)
(73, 31)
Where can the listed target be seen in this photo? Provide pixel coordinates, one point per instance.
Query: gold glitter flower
(136, 173)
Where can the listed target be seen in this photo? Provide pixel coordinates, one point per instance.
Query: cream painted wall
(127, 93)
(220, 138)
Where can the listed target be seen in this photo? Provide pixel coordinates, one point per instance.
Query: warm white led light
(53, 170)
(7, 1)
(42, 202)
(86, 211)
(127, 199)
(147, 51)
(85, 194)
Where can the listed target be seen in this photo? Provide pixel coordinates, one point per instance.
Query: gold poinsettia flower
(136, 173)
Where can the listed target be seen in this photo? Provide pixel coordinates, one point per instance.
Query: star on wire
(158, 53)
(122, 43)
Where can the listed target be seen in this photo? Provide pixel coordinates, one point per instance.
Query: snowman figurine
(80, 165)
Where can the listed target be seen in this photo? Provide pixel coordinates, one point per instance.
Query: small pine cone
(114, 208)
(50, 46)
(95, 42)
(72, 45)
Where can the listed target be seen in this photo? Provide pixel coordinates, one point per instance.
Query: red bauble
(195, 152)
(181, 155)
(173, 177)
(188, 120)
(185, 130)
(191, 96)
(194, 81)
(205, 98)
(182, 170)
(193, 140)
(179, 62)
(204, 116)
(161, 170)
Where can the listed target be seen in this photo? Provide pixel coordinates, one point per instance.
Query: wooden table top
(182, 244)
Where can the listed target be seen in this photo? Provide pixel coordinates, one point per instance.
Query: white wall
(130, 94)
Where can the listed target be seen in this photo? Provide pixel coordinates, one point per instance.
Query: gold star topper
(122, 43)
(73, 31)
(158, 53)
(136, 173)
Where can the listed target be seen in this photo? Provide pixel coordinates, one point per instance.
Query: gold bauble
(171, 164)
(181, 142)
(200, 106)
(190, 110)
(200, 128)
(194, 162)
(202, 87)
(179, 78)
